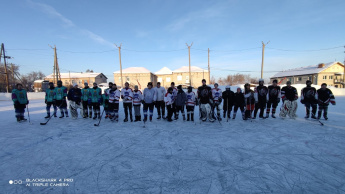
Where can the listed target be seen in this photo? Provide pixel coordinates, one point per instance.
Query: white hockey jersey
(169, 99)
(216, 94)
(191, 98)
(137, 97)
(114, 96)
(127, 95)
(160, 93)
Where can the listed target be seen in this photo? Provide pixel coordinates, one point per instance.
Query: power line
(305, 50)
(87, 52)
(154, 51)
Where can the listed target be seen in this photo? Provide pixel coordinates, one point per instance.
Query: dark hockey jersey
(308, 94)
(261, 93)
(325, 96)
(289, 93)
(273, 93)
(228, 97)
(204, 94)
(239, 99)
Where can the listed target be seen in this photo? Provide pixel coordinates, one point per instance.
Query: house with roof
(181, 76)
(330, 73)
(135, 76)
(164, 76)
(79, 78)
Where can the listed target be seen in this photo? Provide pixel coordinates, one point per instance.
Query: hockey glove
(333, 102)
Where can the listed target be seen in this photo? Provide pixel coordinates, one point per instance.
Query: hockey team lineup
(211, 102)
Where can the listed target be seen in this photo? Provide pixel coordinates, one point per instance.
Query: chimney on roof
(321, 65)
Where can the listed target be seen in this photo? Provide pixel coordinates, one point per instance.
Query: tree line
(235, 79)
(15, 77)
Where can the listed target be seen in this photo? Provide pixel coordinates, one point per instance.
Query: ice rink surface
(262, 156)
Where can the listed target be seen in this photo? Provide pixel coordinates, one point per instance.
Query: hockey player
(228, 98)
(137, 98)
(60, 96)
(160, 104)
(106, 100)
(149, 100)
(238, 103)
(325, 96)
(249, 100)
(260, 95)
(127, 96)
(205, 99)
(20, 100)
(50, 100)
(217, 100)
(74, 98)
(191, 102)
(95, 100)
(113, 102)
(169, 100)
(289, 97)
(309, 99)
(180, 102)
(273, 98)
(85, 95)
(172, 85)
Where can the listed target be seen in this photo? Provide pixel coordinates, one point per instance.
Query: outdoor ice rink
(262, 156)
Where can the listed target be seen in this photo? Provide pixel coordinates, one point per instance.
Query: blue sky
(154, 34)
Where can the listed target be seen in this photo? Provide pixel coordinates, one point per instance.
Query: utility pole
(263, 54)
(12, 69)
(344, 73)
(209, 73)
(56, 73)
(3, 51)
(190, 75)
(119, 47)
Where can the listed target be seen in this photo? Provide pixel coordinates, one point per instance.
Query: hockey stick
(317, 119)
(27, 107)
(51, 116)
(99, 119)
(227, 109)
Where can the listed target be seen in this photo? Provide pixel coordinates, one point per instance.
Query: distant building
(181, 76)
(135, 76)
(79, 78)
(330, 73)
(164, 76)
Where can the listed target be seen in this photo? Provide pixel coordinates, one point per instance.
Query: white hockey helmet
(227, 87)
(261, 80)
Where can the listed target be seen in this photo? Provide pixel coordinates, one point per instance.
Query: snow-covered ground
(262, 156)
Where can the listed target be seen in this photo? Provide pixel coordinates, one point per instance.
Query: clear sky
(154, 34)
